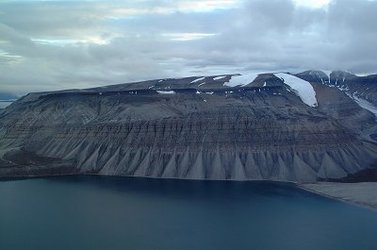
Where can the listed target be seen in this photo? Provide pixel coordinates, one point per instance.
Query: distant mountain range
(6, 99)
(305, 127)
(7, 96)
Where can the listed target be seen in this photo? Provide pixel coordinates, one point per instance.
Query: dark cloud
(56, 45)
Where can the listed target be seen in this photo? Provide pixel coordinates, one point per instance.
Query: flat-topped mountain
(274, 126)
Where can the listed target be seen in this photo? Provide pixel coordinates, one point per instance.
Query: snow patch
(218, 78)
(301, 87)
(171, 92)
(265, 84)
(241, 80)
(365, 74)
(328, 73)
(201, 84)
(198, 79)
(365, 104)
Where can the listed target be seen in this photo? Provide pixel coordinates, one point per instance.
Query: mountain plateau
(301, 127)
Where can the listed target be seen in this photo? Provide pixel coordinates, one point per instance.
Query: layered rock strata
(193, 128)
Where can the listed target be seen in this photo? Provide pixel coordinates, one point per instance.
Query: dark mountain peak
(334, 77)
(340, 74)
(315, 76)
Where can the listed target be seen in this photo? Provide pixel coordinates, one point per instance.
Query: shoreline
(24, 177)
(354, 202)
(303, 186)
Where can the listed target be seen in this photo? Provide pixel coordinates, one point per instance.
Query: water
(127, 213)
(4, 104)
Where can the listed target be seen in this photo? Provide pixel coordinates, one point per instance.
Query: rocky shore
(362, 193)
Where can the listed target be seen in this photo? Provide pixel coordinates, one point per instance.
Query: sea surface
(5, 103)
(136, 213)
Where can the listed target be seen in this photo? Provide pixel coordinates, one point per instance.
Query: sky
(51, 45)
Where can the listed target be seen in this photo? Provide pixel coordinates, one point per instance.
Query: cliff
(214, 127)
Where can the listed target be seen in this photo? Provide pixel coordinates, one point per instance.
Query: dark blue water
(126, 213)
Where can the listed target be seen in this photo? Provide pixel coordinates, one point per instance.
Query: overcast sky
(48, 45)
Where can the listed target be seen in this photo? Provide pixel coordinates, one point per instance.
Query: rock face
(362, 89)
(195, 127)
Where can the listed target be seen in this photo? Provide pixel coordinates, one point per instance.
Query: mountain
(362, 89)
(302, 128)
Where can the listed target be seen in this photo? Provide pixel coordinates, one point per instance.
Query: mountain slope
(195, 127)
(362, 89)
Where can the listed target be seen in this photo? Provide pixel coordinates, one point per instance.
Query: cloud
(312, 3)
(47, 45)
